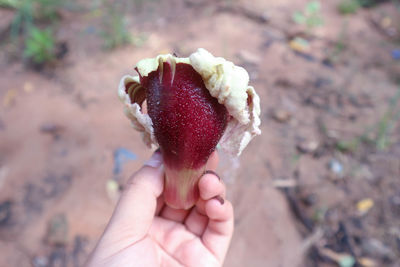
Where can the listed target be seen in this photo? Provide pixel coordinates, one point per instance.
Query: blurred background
(319, 187)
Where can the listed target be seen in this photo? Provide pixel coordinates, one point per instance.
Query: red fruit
(188, 124)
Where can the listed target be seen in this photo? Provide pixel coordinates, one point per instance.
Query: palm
(143, 231)
(177, 238)
(173, 245)
(186, 237)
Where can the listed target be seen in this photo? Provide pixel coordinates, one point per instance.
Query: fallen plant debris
(5, 213)
(281, 115)
(52, 129)
(244, 11)
(57, 230)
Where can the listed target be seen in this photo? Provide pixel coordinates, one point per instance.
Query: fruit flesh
(188, 124)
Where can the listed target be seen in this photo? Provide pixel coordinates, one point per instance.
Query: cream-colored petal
(229, 84)
(140, 121)
(147, 65)
(225, 81)
(237, 136)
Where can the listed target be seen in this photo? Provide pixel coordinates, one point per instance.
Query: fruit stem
(181, 189)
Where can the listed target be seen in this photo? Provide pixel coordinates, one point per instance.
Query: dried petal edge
(140, 121)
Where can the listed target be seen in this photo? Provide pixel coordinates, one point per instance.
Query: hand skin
(143, 231)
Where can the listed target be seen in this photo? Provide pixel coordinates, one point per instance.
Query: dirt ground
(320, 186)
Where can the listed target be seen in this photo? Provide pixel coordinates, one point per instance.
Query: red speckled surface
(188, 122)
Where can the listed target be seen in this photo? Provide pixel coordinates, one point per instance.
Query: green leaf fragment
(299, 18)
(312, 7)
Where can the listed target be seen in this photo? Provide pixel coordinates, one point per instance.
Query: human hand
(144, 231)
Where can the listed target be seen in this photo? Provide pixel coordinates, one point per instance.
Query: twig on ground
(245, 12)
(296, 210)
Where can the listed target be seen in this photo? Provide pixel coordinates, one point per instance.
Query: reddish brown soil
(58, 134)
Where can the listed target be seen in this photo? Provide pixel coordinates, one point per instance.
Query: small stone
(308, 146)
(52, 129)
(281, 115)
(57, 231)
(249, 57)
(5, 213)
(336, 167)
(40, 261)
(28, 87)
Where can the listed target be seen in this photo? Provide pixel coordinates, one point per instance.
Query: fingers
(219, 230)
(210, 186)
(181, 244)
(196, 222)
(180, 215)
(137, 205)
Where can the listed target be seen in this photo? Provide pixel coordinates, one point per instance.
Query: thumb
(136, 208)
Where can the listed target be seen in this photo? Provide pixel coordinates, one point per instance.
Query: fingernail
(220, 199)
(155, 161)
(212, 172)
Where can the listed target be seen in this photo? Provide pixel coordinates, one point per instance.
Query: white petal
(140, 121)
(229, 84)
